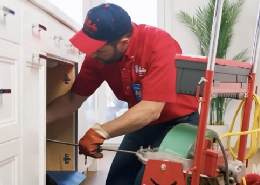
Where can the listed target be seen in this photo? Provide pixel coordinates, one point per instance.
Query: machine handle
(256, 50)
(40, 27)
(5, 91)
(7, 10)
(214, 34)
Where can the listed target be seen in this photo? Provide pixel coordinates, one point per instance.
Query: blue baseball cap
(103, 23)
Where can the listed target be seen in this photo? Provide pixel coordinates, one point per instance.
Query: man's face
(110, 53)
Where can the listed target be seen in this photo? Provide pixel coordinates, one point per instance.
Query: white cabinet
(10, 120)
(29, 39)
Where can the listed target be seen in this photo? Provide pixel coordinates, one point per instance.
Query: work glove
(90, 143)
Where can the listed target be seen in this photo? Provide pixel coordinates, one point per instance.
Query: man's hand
(90, 142)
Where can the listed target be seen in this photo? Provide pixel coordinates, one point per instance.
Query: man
(137, 61)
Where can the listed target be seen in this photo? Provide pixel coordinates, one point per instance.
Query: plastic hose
(255, 132)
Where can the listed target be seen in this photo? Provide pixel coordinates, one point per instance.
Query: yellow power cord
(255, 137)
(244, 180)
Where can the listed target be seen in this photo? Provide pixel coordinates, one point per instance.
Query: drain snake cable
(255, 132)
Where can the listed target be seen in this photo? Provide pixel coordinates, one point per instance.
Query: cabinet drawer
(34, 27)
(10, 60)
(10, 20)
(54, 38)
(58, 43)
(68, 50)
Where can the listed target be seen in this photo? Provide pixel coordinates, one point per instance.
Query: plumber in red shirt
(137, 61)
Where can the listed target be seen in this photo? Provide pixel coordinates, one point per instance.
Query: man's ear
(123, 44)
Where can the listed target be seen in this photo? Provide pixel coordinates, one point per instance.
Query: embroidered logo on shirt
(137, 91)
(136, 68)
(140, 70)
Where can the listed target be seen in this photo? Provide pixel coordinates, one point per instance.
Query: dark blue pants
(126, 169)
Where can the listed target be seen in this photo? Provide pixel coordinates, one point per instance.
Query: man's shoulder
(155, 37)
(149, 29)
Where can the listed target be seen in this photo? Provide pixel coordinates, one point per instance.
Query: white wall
(73, 8)
(243, 37)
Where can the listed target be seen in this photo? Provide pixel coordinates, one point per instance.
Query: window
(140, 14)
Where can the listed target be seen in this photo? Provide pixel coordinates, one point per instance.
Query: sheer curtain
(141, 12)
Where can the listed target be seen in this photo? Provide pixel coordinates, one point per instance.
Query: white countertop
(57, 13)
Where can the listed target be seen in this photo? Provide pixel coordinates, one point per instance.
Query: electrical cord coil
(255, 132)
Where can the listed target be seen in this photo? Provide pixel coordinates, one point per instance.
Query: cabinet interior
(59, 79)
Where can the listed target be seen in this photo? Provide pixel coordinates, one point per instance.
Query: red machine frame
(208, 91)
(152, 166)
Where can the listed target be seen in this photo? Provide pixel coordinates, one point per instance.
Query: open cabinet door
(86, 118)
(87, 113)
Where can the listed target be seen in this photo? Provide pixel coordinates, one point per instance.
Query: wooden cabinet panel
(62, 130)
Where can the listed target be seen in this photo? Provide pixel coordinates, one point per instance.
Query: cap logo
(89, 27)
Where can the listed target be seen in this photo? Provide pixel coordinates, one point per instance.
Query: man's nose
(93, 55)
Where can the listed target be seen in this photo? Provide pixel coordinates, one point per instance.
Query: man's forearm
(135, 118)
(59, 108)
